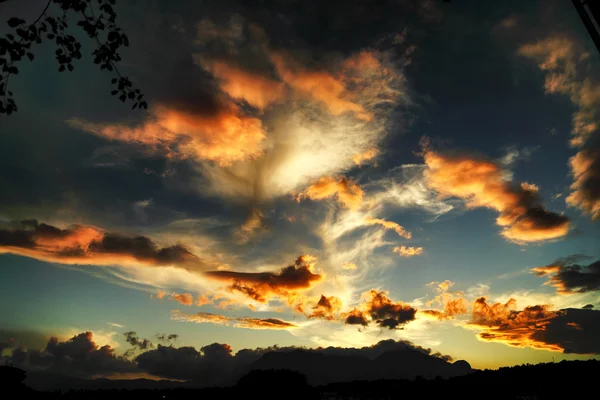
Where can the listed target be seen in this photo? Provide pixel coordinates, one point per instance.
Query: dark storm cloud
(574, 330)
(569, 278)
(79, 356)
(88, 245)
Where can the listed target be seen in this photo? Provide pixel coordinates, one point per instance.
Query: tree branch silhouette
(15, 46)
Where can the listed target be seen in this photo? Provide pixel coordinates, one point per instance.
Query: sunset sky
(312, 175)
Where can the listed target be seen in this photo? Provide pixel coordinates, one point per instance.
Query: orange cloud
(564, 63)
(409, 251)
(261, 286)
(88, 245)
(184, 298)
(237, 322)
(453, 303)
(348, 193)
(361, 158)
(503, 323)
(326, 308)
(332, 91)
(484, 184)
(240, 84)
(223, 137)
(389, 225)
(379, 308)
(203, 299)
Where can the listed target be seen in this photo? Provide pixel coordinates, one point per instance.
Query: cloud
(88, 245)
(327, 308)
(570, 278)
(452, 303)
(257, 90)
(568, 330)
(483, 183)
(132, 338)
(410, 190)
(261, 286)
(163, 337)
(332, 109)
(323, 86)
(365, 156)
(216, 365)
(389, 225)
(568, 72)
(184, 298)
(253, 225)
(78, 356)
(347, 192)
(409, 251)
(225, 136)
(377, 307)
(349, 266)
(237, 322)
(207, 366)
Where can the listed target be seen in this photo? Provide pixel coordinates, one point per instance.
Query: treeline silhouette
(567, 379)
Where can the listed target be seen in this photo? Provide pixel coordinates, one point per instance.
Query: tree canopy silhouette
(96, 18)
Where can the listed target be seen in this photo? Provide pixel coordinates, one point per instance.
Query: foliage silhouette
(99, 25)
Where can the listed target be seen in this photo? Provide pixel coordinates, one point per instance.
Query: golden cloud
(503, 323)
(332, 91)
(563, 61)
(237, 322)
(484, 184)
(408, 251)
(389, 225)
(348, 193)
(262, 286)
(327, 308)
(367, 155)
(88, 245)
(255, 89)
(226, 136)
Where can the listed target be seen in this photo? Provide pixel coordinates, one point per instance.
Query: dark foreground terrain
(564, 380)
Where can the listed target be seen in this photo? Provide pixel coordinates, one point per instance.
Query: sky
(312, 175)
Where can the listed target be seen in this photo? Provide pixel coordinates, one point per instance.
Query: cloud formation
(88, 245)
(569, 330)
(482, 183)
(389, 225)
(366, 156)
(568, 72)
(570, 278)
(347, 192)
(327, 308)
(237, 322)
(408, 251)
(78, 356)
(452, 303)
(378, 308)
(252, 226)
(225, 136)
(262, 286)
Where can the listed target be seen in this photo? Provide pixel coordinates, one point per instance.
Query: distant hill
(323, 368)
